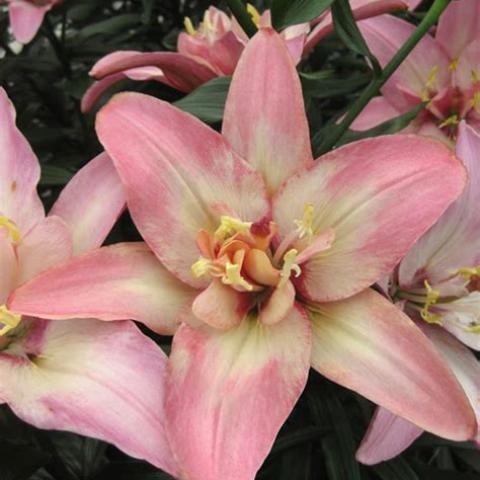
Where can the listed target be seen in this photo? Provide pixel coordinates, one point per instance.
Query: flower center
(8, 320)
(11, 228)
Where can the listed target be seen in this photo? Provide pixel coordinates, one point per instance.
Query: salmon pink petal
(426, 64)
(278, 305)
(230, 392)
(91, 203)
(368, 345)
(8, 266)
(26, 19)
(387, 436)
(46, 245)
(181, 72)
(193, 177)
(377, 111)
(368, 192)
(19, 172)
(458, 26)
(122, 281)
(454, 241)
(103, 380)
(467, 73)
(220, 306)
(264, 124)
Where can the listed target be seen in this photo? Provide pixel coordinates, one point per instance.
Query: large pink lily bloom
(213, 49)
(443, 69)
(26, 17)
(98, 379)
(438, 285)
(267, 257)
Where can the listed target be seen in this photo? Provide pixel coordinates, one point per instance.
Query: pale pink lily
(98, 379)
(438, 285)
(26, 17)
(214, 47)
(265, 259)
(443, 69)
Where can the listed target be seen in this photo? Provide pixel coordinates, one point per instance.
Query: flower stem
(244, 19)
(428, 21)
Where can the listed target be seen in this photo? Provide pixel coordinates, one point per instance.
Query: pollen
(254, 13)
(201, 267)
(453, 65)
(8, 319)
(229, 226)
(189, 28)
(468, 272)
(431, 299)
(449, 121)
(234, 278)
(476, 101)
(12, 229)
(474, 76)
(289, 266)
(430, 84)
(305, 226)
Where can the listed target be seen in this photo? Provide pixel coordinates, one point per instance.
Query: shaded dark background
(46, 81)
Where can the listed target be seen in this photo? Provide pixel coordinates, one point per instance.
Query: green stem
(243, 17)
(372, 90)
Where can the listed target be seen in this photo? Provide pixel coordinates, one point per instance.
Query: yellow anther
(432, 298)
(8, 319)
(229, 226)
(201, 267)
(476, 101)
(12, 229)
(305, 226)
(430, 84)
(453, 65)
(234, 278)
(289, 266)
(468, 272)
(451, 120)
(474, 76)
(189, 28)
(254, 13)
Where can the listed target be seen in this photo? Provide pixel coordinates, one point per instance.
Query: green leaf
(322, 85)
(397, 469)
(293, 12)
(54, 175)
(207, 102)
(347, 29)
(20, 462)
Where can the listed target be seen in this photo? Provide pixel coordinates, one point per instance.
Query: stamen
(8, 319)
(12, 229)
(254, 13)
(475, 102)
(289, 265)
(468, 272)
(201, 267)
(453, 65)
(305, 226)
(474, 76)
(432, 298)
(229, 226)
(451, 120)
(234, 278)
(189, 28)
(430, 84)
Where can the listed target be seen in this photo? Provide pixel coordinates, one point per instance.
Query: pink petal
(180, 177)
(26, 19)
(220, 306)
(368, 192)
(278, 305)
(230, 392)
(384, 36)
(466, 73)
(19, 172)
(91, 203)
(377, 111)
(103, 380)
(454, 241)
(387, 436)
(458, 26)
(118, 282)
(181, 72)
(46, 245)
(8, 266)
(264, 117)
(368, 345)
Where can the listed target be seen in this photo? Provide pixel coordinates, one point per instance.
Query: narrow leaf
(288, 12)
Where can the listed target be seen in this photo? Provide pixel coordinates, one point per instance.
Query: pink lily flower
(213, 49)
(26, 17)
(267, 257)
(98, 379)
(443, 69)
(438, 285)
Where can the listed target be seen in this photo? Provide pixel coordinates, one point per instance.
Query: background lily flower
(213, 48)
(26, 17)
(264, 262)
(443, 70)
(438, 283)
(94, 378)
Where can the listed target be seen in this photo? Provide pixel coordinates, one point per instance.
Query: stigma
(8, 320)
(11, 228)
(431, 299)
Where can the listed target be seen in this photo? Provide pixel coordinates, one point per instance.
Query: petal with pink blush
(454, 241)
(263, 124)
(26, 19)
(467, 73)
(8, 266)
(91, 203)
(278, 305)
(377, 111)
(368, 345)
(387, 436)
(46, 245)
(220, 306)
(193, 177)
(458, 26)
(368, 192)
(19, 172)
(103, 380)
(122, 281)
(230, 392)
